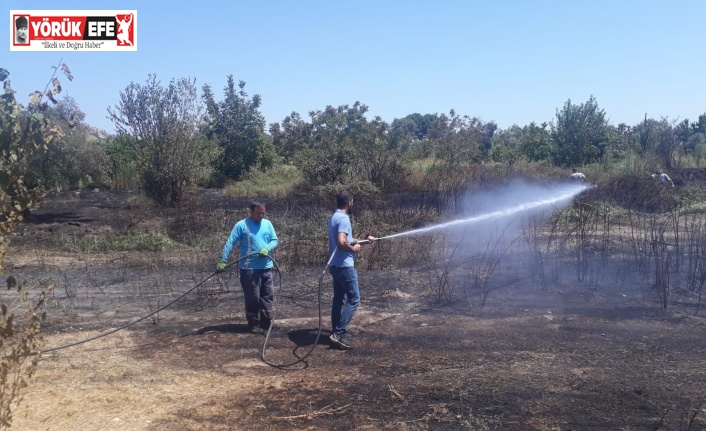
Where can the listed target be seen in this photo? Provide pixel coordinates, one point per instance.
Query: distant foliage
(165, 121)
(536, 142)
(237, 127)
(460, 140)
(455, 143)
(580, 133)
(124, 168)
(75, 161)
(658, 139)
(340, 147)
(407, 132)
(290, 137)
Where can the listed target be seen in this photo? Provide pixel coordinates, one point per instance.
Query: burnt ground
(570, 356)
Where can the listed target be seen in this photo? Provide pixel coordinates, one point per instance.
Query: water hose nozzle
(367, 241)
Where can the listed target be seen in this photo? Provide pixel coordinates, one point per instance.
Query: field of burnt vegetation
(583, 314)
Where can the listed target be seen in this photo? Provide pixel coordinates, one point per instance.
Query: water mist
(512, 200)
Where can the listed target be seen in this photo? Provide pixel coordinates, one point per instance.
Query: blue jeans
(346, 297)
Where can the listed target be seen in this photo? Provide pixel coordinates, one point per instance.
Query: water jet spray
(565, 195)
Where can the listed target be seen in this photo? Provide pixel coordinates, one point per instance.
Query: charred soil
(571, 356)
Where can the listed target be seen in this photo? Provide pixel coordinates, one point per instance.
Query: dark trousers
(258, 292)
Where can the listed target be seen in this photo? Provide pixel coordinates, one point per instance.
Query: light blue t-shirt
(252, 238)
(340, 222)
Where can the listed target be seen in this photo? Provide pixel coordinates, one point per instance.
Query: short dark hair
(255, 204)
(343, 198)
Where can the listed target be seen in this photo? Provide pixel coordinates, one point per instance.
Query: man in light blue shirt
(342, 248)
(257, 239)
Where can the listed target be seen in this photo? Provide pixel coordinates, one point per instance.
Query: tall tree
(699, 126)
(24, 131)
(683, 130)
(536, 143)
(657, 138)
(165, 121)
(292, 136)
(697, 145)
(76, 161)
(236, 125)
(335, 132)
(341, 146)
(374, 160)
(460, 139)
(580, 133)
(506, 145)
(407, 131)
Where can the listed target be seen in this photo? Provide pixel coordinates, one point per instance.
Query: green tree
(330, 152)
(699, 126)
(124, 167)
(646, 136)
(341, 146)
(455, 143)
(683, 130)
(619, 144)
(580, 133)
(292, 136)
(697, 144)
(506, 145)
(236, 125)
(690, 137)
(406, 132)
(76, 161)
(374, 161)
(536, 142)
(459, 140)
(657, 138)
(23, 133)
(165, 121)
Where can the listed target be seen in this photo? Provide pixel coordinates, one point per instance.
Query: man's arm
(274, 241)
(231, 242)
(342, 243)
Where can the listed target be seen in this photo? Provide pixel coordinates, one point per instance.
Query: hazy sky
(512, 62)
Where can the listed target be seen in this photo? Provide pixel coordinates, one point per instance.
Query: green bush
(276, 182)
(151, 241)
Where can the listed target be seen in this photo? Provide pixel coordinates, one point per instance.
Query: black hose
(127, 325)
(318, 332)
(269, 330)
